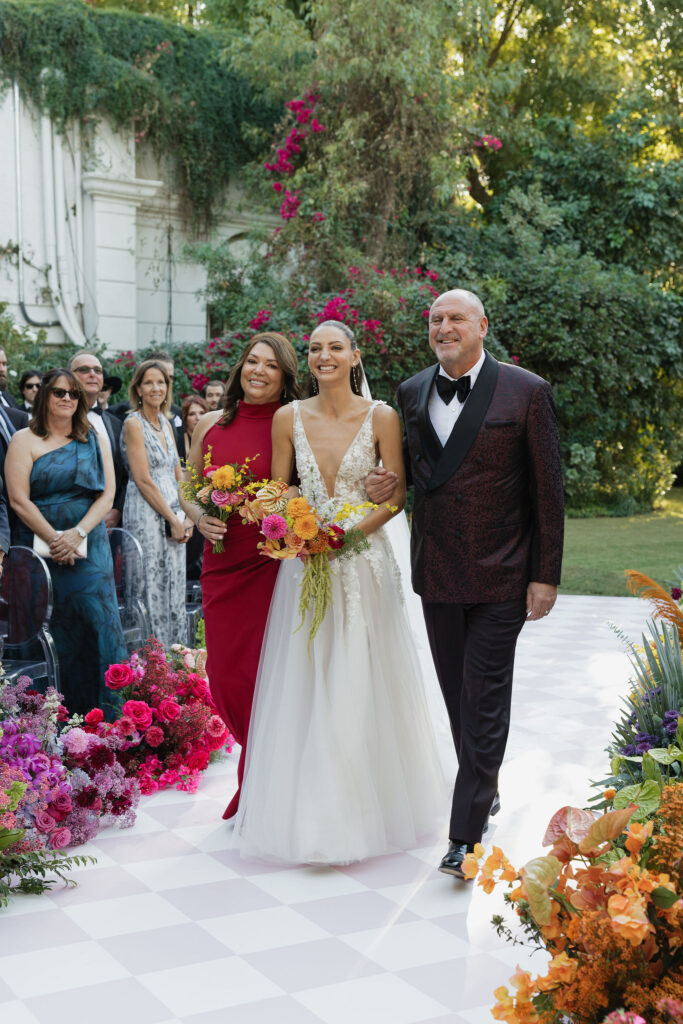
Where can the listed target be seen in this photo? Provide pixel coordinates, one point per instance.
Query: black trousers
(473, 646)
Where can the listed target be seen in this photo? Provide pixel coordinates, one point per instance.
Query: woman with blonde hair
(152, 511)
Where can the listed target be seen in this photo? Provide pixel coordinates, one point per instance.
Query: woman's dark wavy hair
(285, 357)
(80, 424)
(357, 374)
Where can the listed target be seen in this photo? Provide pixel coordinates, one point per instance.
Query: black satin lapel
(430, 442)
(468, 424)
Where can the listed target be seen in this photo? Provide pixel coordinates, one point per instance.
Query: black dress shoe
(452, 862)
(495, 807)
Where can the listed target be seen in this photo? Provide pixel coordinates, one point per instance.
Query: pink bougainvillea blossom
(260, 320)
(489, 142)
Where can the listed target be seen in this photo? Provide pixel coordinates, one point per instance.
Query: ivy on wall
(165, 82)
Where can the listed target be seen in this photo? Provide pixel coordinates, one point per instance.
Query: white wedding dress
(342, 761)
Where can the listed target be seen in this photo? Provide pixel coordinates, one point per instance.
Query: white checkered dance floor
(171, 926)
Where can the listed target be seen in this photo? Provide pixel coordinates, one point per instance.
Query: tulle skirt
(342, 762)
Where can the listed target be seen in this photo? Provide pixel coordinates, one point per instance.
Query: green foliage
(35, 871)
(26, 349)
(606, 338)
(164, 81)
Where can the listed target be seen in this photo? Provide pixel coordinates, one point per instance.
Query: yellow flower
(224, 478)
(306, 526)
(297, 507)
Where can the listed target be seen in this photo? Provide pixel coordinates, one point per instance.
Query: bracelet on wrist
(81, 532)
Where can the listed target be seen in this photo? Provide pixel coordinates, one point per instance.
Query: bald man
(482, 451)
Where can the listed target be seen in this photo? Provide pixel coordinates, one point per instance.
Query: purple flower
(676, 593)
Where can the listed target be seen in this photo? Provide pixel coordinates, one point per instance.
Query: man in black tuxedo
(87, 367)
(6, 399)
(482, 451)
(11, 420)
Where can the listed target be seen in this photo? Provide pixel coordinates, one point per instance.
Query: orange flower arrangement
(607, 905)
(293, 529)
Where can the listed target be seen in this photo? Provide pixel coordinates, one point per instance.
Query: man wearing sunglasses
(88, 368)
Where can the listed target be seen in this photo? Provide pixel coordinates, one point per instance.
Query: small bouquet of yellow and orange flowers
(220, 490)
(607, 904)
(293, 529)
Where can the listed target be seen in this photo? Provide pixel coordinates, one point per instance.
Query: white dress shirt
(444, 416)
(96, 420)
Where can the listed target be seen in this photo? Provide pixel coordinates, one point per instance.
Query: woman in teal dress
(60, 478)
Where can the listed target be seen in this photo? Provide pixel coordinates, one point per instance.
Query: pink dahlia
(274, 527)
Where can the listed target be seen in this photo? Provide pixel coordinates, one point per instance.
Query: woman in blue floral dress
(61, 484)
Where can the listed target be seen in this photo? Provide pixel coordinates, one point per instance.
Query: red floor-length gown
(237, 584)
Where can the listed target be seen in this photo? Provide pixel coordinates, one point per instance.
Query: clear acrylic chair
(126, 553)
(26, 603)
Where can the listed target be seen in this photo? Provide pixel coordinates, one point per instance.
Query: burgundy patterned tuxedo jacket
(488, 516)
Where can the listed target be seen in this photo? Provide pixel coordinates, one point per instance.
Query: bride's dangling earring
(356, 379)
(314, 384)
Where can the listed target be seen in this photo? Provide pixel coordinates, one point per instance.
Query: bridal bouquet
(293, 529)
(220, 490)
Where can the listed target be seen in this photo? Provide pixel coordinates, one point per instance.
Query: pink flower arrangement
(175, 725)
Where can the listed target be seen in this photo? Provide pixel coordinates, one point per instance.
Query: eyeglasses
(63, 392)
(31, 387)
(84, 370)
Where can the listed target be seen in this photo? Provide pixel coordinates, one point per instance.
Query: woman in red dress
(237, 584)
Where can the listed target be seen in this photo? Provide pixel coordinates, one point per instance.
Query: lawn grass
(596, 551)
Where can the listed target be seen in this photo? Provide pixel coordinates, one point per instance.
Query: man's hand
(540, 598)
(380, 485)
(112, 518)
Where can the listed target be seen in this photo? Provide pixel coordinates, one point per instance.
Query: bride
(342, 761)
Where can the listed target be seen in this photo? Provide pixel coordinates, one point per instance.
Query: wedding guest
(88, 369)
(29, 382)
(213, 393)
(110, 386)
(6, 398)
(192, 408)
(172, 413)
(60, 480)
(152, 511)
(237, 584)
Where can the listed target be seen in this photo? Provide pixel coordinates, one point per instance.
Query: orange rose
(306, 527)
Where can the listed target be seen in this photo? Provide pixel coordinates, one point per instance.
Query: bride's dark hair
(357, 374)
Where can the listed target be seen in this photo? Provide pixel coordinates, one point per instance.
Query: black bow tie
(447, 388)
(97, 409)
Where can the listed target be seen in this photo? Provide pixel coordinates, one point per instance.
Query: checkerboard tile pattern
(172, 927)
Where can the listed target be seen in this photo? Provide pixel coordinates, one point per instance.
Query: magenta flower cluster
(260, 320)
(304, 111)
(489, 142)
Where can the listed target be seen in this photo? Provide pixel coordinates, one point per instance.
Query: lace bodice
(349, 487)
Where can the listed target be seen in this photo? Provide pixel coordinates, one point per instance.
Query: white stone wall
(113, 214)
